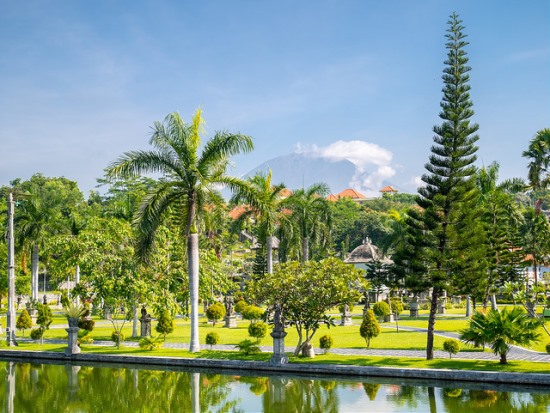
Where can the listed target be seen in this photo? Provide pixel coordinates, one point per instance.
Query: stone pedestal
(230, 321)
(72, 347)
(441, 305)
(346, 319)
(389, 318)
(145, 325)
(32, 313)
(414, 308)
(279, 357)
(308, 351)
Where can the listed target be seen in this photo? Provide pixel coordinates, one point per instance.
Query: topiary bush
(258, 330)
(117, 337)
(253, 313)
(165, 323)
(451, 346)
(325, 343)
(369, 327)
(397, 306)
(150, 343)
(215, 312)
(381, 309)
(212, 339)
(24, 321)
(248, 347)
(37, 333)
(86, 324)
(240, 306)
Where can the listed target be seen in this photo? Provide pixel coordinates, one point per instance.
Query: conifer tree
(369, 327)
(24, 321)
(438, 232)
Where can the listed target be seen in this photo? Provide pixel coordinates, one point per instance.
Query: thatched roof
(365, 253)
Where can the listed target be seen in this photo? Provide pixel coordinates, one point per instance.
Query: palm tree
(312, 215)
(538, 154)
(264, 201)
(501, 330)
(188, 187)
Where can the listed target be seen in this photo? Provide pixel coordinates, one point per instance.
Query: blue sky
(81, 82)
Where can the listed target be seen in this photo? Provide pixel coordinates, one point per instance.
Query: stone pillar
(441, 305)
(107, 312)
(72, 348)
(279, 356)
(414, 307)
(346, 317)
(145, 325)
(230, 321)
(389, 318)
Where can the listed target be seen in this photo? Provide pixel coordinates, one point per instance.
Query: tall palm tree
(538, 173)
(312, 215)
(191, 176)
(264, 201)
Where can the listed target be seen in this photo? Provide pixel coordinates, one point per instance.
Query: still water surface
(85, 388)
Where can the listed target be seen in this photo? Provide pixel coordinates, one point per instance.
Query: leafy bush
(117, 337)
(150, 343)
(215, 312)
(258, 330)
(253, 313)
(325, 343)
(248, 347)
(425, 306)
(37, 333)
(86, 324)
(381, 309)
(24, 321)
(240, 306)
(397, 306)
(451, 346)
(369, 327)
(84, 336)
(212, 339)
(165, 323)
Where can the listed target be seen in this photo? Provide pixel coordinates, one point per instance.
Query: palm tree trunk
(305, 249)
(34, 273)
(269, 250)
(503, 358)
(193, 270)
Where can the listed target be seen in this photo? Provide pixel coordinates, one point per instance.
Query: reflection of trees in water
(300, 395)
(491, 401)
(409, 396)
(371, 390)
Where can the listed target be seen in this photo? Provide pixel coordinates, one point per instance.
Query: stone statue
(278, 322)
(143, 311)
(228, 305)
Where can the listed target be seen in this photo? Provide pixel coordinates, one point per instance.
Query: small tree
(165, 323)
(215, 312)
(397, 307)
(258, 330)
(369, 327)
(24, 321)
(212, 339)
(253, 313)
(240, 306)
(451, 346)
(43, 318)
(325, 343)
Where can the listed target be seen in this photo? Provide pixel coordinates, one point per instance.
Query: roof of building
(236, 212)
(332, 198)
(285, 193)
(365, 253)
(388, 188)
(351, 193)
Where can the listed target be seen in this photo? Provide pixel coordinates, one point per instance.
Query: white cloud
(373, 163)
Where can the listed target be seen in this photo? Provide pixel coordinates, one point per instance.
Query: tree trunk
(503, 358)
(468, 306)
(135, 332)
(305, 249)
(34, 273)
(431, 324)
(193, 270)
(269, 250)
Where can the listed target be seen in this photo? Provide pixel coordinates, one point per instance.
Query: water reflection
(86, 388)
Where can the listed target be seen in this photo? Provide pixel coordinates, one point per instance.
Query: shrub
(248, 347)
(24, 321)
(86, 324)
(451, 346)
(212, 339)
(325, 343)
(165, 323)
(117, 337)
(84, 336)
(397, 306)
(253, 313)
(240, 306)
(215, 312)
(258, 330)
(150, 343)
(369, 327)
(381, 309)
(37, 333)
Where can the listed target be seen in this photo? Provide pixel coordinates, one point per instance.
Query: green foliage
(248, 347)
(257, 330)
(325, 343)
(37, 333)
(85, 337)
(64, 299)
(240, 306)
(253, 313)
(44, 316)
(24, 321)
(150, 343)
(396, 305)
(117, 337)
(86, 324)
(165, 323)
(215, 312)
(369, 327)
(73, 310)
(501, 329)
(212, 338)
(381, 309)
(451, 346)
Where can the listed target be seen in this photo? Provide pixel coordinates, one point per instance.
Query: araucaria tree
(191, 175)
(437, 229)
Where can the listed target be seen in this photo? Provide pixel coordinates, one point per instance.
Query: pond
(106, 388)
